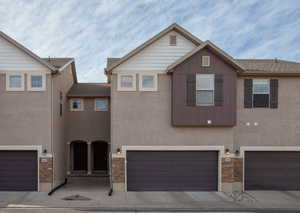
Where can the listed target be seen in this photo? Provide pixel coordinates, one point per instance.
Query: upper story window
(14, 82)
(205, 61)
(76, 105)
(205, 89)
(148, 82)
(36, 82)
(261, 93)
(173, 40)
(126, 82)
(101, 104)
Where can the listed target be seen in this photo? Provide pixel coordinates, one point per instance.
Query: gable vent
(205, 61)
(173, 40)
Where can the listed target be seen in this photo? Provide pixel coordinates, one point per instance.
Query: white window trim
(206, 90)
(141, 88)
(101, 110)
(170, 39)
(76, 99)
(29, 88)
(8, 88)
(208, 59)
(133, 88)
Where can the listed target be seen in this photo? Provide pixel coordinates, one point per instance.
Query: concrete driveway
(93, 195)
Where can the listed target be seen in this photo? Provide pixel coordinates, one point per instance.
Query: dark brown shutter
(274, 93)
(248, 93)
(191, 89)
(218, 90)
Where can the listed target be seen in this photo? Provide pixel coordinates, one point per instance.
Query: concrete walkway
(93, 195)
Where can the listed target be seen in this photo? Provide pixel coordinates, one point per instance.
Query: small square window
(126, 82)
(76, 104)
(173, 40)
(148, 82)
(205, 61)
(14, 82)
(101, 105)
(36, 82)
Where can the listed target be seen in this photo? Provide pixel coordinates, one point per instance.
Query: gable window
(76, 104)
(261, 92)
(148, 82)
(126, 82)
(36, 82)
(172, 40)
(14, 82)
(101, 104)
(205, 89)
(205, 61)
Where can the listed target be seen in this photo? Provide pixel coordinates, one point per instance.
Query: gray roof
(111, 62)
(269, 66)
(89, 90)
(58, 62)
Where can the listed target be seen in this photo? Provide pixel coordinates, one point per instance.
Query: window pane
(261, 100)
(205, 82)
(127, 81)
(148, 81)
(15, 81)
(261, 86)
(76, 104)
(36, 81)
(101, 104)
(205, 97)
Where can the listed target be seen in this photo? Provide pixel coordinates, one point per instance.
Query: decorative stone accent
(46, 170)
(118, 170)
(232, 170)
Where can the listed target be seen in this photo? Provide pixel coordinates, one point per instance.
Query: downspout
(52, 145)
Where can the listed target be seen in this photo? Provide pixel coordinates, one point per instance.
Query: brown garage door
(172, 171)
(18, 171)
(272, 170)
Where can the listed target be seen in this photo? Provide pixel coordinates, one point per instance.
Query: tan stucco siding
(144, 118)
(88, 125)
(61, 83)
(275, 127)
(25, 116)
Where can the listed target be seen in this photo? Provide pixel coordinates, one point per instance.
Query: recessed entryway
(79, 149)
(100, 156)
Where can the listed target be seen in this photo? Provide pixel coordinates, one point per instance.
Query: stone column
(69, 161)
(232, 174)
(89, 156)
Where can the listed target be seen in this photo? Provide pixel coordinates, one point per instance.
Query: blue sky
(92, 30)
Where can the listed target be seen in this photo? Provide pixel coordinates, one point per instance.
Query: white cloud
(93, 30)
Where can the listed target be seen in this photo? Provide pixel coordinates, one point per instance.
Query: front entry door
(80, 156)
(100, 155)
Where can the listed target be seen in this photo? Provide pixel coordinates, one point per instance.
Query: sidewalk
(93, 195)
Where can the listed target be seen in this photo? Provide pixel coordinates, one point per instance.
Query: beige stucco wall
(276, 127)
(144, 118)
(88, 125)
(61, 83)
(25, 116)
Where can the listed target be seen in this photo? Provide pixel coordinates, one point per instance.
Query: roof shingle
(89, 90)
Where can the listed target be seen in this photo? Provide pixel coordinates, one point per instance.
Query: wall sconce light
(227, 151)
(237, 152)
(118, 151)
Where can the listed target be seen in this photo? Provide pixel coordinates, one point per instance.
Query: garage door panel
(272, 170)
(18, 170)
(172, 171)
